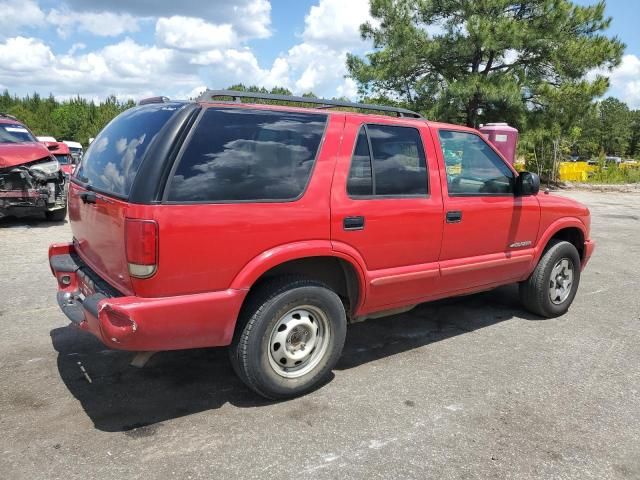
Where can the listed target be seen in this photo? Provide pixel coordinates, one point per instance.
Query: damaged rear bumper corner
(136, 323)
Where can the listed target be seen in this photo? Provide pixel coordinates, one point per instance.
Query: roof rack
(6, 115)
(147, 101)
(209, 95)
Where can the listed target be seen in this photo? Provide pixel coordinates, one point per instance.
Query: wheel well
(572, 235)
(337, 274)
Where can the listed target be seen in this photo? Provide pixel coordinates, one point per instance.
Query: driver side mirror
(527, 183)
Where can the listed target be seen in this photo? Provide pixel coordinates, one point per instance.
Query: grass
(615, 174)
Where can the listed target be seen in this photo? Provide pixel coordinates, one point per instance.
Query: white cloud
(189, 33)
(336, 23)
(250, 18)
(16, 14)
(254, 19)
(76, 47)
(624, 80)
(189, 50)
(22, 55)
(317, 64)
(125, 68)
(103, 24)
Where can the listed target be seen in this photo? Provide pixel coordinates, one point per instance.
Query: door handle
(353, 223)
(454, 216)
(88, 197)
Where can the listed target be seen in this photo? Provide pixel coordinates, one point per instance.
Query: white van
(75, 148)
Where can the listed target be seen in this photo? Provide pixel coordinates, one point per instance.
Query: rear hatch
(98, 194)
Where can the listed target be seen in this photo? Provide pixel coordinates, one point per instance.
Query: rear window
(113, 158)
(238, 154)
(15, 133)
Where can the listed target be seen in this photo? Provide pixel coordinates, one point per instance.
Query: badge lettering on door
(520, 244)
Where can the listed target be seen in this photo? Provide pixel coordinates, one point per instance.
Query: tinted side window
(113, 158)
(473, 168)
(398, 160)
(240, 154)
(360, 181)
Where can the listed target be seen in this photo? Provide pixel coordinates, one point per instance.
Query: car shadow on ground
(118, 397)
(29, 221)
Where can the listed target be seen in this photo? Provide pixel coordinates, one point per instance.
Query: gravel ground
(473, 387)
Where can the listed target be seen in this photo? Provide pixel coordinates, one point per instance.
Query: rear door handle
(353, 223)
(454, 216)
(88, 197)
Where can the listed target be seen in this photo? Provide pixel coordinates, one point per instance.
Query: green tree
(472, 61)
(634, 141)
(615, 126)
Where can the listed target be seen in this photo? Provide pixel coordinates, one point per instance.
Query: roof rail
(6, 115)
(146, 101)
(209, 95)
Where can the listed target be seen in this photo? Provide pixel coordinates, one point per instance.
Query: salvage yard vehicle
(31, 180)
(268, 228)
(75, 148)
(62, 153)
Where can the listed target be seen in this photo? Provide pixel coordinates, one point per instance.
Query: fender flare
(275, 256)
(551, 230)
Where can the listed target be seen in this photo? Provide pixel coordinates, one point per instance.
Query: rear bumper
(589, 247)
(141, 324)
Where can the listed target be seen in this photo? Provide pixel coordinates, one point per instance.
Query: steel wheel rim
(298, 341)
(561, 281)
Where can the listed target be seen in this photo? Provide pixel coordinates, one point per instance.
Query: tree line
(608, 126)
(76, 119)
(540, 65)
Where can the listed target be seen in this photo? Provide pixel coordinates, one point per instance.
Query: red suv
(269, 228)
(31, 180)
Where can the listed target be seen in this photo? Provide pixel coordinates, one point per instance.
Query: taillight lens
(142, 247)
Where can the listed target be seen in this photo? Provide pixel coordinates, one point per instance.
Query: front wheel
(552, 286)
(289, 337)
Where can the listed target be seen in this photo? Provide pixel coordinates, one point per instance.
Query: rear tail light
(142, 247)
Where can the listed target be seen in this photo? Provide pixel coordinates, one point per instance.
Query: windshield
(62, 158)
(14, 133)
(112, 160)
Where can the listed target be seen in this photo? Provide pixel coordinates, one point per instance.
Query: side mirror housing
(527, 183)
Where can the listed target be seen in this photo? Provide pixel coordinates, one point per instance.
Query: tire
(536, 292)
(56, 215)
(289, 336)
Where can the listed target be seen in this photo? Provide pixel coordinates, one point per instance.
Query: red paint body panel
(99, 233)
(210, 255)
(402, 236)
(14, 154)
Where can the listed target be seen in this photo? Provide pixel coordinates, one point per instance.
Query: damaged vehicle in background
(75, 148)
(31, 180)
(62, 152)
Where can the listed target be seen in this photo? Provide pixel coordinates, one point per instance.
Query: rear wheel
(56, 215)
(289, 337)
(552, 286)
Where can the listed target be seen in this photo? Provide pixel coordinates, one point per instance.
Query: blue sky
(137, 48)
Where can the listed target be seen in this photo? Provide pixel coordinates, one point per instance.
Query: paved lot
(467, 388)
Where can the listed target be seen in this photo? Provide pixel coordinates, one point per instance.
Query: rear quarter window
(238, 154)
(113, 158)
